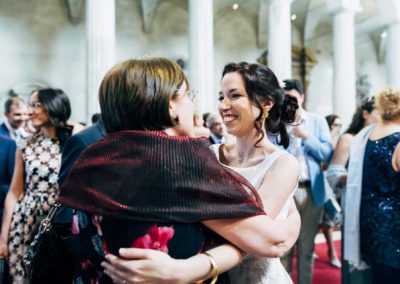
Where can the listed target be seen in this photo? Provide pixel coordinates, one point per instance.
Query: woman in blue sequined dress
(380, 197)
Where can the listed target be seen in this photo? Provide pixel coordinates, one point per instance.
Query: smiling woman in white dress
(252, 106)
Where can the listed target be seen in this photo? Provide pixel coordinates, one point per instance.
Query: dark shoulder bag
(46, 260)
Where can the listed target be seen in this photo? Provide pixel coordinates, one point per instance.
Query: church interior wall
(40, 45)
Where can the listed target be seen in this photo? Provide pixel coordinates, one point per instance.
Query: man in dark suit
(7, 159)
(72, 149)
(214, 123)
(15, 111)
(75, 146)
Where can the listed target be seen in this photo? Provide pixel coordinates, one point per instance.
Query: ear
(365, 114)
(171, 110)
(302, 98)
(267, 105)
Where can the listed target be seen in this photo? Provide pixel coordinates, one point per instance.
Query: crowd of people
(156, 192)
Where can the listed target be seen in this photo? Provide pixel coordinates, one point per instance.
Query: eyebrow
(230, 91)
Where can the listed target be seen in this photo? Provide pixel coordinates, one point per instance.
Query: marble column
(201, 45)
(344, 61)
(280, 39)
(100, 48)
(393, 56)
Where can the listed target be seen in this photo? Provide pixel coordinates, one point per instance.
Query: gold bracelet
(214, 269)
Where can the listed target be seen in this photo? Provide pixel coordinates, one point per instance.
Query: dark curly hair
(261, 84)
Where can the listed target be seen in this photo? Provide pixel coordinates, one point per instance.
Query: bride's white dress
(255, 270)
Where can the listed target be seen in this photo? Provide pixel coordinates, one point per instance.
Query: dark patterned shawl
(151, 176)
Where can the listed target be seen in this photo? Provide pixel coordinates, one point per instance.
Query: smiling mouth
(229, 118)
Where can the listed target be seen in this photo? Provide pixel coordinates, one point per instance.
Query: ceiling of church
(314, 19)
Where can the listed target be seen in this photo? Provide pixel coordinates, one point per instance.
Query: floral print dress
(42, 159)
(95, 236)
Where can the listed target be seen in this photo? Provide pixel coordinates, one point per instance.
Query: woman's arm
(396, 158)
(150, 266)
(342, 151)
(261, 235)
(16, 190)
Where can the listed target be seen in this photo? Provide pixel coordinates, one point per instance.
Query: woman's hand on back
(142, 266)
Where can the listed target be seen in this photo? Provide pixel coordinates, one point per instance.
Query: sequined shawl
(151, 176)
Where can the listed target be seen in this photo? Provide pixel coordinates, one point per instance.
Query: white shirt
(15, 134)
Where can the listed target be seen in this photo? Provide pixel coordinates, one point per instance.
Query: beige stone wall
(40, 45)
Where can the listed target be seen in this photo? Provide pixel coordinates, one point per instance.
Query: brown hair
(388, 104)
(135, 94)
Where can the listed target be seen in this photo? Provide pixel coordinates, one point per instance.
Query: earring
(264, 116)
(172, 115)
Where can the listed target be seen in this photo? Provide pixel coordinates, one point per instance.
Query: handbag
(3, 271)
(45, 260)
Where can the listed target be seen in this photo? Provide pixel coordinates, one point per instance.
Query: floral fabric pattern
(42, 159)
(157, 238)
(88, 230)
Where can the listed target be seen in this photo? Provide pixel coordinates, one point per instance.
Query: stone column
(344, 78)
(393, 56)
(201, 45)
(100, 48)
(280, 39)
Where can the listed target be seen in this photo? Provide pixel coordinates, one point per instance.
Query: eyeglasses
(192, 94)
(337, 124)
(35, 105)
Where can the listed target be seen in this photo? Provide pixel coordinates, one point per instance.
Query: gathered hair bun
(289, 108)
(387, 103)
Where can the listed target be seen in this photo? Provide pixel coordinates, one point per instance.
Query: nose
(225, 103)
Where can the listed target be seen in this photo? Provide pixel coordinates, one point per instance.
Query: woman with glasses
(34, 186)
(335, 125)
(151, 184)
(252, 105)
(337, 174)
(365, 115)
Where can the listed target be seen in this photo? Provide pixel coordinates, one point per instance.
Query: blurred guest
(335, 125)
(199, 129)
(214, 123)
(327, 224)
(205, 116)
(7, 157)
(34, 186)
(15, 111)
(365, 115)
(96, 117)
(372, 223)
(310, 143)
(75, 146)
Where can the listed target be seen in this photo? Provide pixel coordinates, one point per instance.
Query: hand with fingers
(3, 248)
(142, 266)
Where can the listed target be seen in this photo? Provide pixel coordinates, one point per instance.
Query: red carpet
(324, 273)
